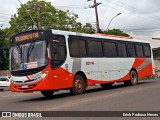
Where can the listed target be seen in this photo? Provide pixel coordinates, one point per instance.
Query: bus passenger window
(77, 48)
(110, 49)
(147, 51)
(122, 51)
(95, 49)
(139, 51)
(131, 50)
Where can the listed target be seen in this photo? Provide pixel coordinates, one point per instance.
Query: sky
(139, 18)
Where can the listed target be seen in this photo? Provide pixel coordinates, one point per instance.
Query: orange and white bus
(51, 60)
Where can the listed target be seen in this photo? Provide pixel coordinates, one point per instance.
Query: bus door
(58, 54)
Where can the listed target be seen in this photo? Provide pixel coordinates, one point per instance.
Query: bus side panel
(146, 71)
(60, 81)
(143, 67)
(108, 70)
(126, 64)
(138, 62)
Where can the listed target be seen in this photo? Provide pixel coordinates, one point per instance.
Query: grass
(150, 78)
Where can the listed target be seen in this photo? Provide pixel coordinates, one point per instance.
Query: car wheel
(1, 89)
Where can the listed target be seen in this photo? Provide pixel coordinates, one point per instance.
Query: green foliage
(4, 50)
(157, 58)
(87, 28)
(45, 16)
(116, 32)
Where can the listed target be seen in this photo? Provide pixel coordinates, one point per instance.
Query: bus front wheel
(47, 93)
(78, 85)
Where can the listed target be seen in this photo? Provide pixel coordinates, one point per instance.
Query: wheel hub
(78, 85)
(134, 78)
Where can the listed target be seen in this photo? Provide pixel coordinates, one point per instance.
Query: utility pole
(96, 13)
(38, 8)
(97, 19)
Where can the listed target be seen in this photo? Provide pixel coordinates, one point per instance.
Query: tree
(44, 15)
(4, 50)
(87, 28)
(116, 32)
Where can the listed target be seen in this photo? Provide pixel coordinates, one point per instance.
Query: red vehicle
(51, 60)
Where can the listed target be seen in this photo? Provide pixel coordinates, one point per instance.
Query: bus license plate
(24, 86)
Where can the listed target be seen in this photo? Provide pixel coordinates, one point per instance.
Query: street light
(111, 20)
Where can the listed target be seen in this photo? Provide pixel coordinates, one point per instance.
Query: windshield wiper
(30, 49)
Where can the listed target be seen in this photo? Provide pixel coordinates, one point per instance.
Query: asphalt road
(143, 97)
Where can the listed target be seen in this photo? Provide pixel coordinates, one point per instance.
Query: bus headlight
(42, 76)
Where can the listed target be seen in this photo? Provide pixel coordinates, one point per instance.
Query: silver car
(4, 83)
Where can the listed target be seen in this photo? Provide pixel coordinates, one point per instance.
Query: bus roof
(115, 36)
(98, 35)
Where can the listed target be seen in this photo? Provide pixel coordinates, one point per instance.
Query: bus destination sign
(27, 37)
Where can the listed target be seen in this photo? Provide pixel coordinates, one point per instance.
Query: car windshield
(28, 56)
(4, 79)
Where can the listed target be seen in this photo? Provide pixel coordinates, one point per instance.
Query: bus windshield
(29, 55)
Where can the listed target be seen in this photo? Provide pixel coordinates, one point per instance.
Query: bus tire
(107, 85)
(47, 93)
(133, 78)
(1, 89)
(78, 85)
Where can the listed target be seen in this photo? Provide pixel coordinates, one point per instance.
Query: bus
(52, 60)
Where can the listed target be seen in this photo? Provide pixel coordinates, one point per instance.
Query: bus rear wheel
(78, 85)
(133, 79)
(47, 93)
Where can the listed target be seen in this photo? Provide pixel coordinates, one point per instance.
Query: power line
(65, 7)
(74, 6)
(28, 13)
(135, 10)
(157, 23)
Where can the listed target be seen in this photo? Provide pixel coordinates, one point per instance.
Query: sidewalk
(157, 67)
